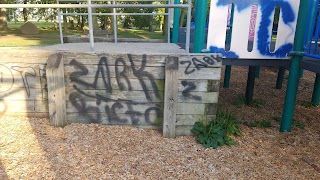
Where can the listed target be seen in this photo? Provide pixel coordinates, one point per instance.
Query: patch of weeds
(277, 118)
(259, 124)
(306, 104)
(240, 101)
(218, 131)
(298, 124)
(257, 103)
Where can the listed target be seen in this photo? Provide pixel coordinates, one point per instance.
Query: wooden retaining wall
(117, 89)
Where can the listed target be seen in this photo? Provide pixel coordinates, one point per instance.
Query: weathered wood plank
(189, 120)
(27, 114)
(193, 108)
(32, 83)
(183, 130)
(153, 60)
(16, 94)
(170, 97)
(141, 96)
(116, 59)
(115, 119)
(135, 84)
(203, 73)
(121, 107)
(56, 91)
(80, 73)
(7, 106)
(22, 56)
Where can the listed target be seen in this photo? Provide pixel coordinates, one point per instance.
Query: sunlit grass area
(141, 34)
(15, 41)
(49, 34)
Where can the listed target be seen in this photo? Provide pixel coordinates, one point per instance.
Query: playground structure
(290, 42)
(304, 46)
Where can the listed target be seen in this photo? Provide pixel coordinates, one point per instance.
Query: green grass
(49, 36)
(141, 34)
(306, 104)
(240, 101)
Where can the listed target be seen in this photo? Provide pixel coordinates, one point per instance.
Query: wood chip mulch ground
(31, 149)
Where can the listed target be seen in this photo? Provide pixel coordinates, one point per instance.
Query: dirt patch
(31, 149)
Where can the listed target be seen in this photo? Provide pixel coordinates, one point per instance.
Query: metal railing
(114, 14)
(89, 6)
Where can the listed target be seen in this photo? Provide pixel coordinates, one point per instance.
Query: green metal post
(291, 93)
(250, 84)
(176, 21)
(200, 25)
(316, 91)
(301, 73)
(280, 77)
(258, 71)
(227, 76)
(227, 72)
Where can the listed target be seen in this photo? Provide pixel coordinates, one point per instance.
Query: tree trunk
(71, 22)
(3, 16)
(95, 24)
(79, 22)
(111, 24)
(55, 26)
(150, 23)
(25, 12)
(182, 22)
(126, 22)
(82, 22)
(165, 25)
(65, 22)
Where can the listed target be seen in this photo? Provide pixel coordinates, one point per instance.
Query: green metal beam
(176, 21)
(293, 81)
(200, 25)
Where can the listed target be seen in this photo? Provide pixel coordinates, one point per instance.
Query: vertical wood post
(56, 90)
(170, 97)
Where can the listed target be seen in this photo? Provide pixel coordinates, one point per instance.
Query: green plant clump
(217, 132)
(240, 101)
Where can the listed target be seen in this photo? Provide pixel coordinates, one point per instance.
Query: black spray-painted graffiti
(207, 61)
(189, 86)
(97, 101)
(111, 106)
(27, 74)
